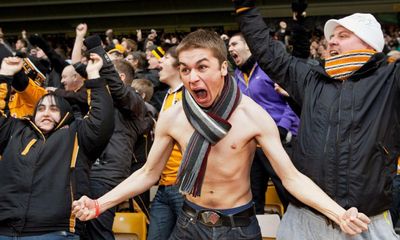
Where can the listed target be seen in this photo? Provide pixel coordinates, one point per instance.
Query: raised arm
(57, 62)
(288, 71)
(9, 67)
(125, 98)
(81, 31)
(295, 182)
(140, 181)
(98, 125)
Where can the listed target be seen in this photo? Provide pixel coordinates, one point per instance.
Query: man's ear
(122, 76)
(224, 68)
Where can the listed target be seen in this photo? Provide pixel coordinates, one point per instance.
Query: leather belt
(213, 218)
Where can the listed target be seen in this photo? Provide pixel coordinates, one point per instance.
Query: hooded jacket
(40, 175)
(348, 140)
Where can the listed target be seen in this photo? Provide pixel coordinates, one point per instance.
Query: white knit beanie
(363, 25)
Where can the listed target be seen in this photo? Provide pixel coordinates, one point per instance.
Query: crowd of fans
(137, 59)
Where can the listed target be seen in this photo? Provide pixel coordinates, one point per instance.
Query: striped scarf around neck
(210, 127)
(342, 66)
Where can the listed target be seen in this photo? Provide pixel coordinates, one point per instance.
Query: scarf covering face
(210, 126)
(344, 65)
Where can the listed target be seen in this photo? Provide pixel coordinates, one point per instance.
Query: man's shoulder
(246, 102)
(249, 109)
(172, 111)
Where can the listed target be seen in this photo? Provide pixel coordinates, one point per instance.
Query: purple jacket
(261, 90)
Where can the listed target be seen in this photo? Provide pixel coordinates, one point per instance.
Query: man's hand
(352, 222)
(299, 9)
(94, 65)
(39, 41)
(84, 209)
(10, 66)
(280, 90)
(243, 5)
(139, 35)
(81, 30)
(23, 34)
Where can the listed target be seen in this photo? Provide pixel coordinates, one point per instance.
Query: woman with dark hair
(45, 159)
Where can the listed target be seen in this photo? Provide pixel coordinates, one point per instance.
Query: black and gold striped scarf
(344, 65)
(210, 127)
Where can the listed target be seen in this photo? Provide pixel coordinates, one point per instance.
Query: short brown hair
(204, 39)
(143, 86)
(172, 52)
(131, 45)
(124, 67)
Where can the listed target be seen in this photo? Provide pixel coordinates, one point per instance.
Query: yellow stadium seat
(130, 226)
(272, 201)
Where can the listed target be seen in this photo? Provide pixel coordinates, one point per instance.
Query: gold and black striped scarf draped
(344, 65)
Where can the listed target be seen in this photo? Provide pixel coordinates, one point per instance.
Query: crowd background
(143, 51)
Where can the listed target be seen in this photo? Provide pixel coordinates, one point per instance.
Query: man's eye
(203, 67)
(184, 70)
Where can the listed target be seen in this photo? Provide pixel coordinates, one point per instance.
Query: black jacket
(114, 164)
(40, 175)
(348, 140)
(77, 99)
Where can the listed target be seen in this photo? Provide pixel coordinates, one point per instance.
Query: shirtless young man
(220, 204)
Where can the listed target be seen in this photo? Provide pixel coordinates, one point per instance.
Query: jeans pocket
(252, 231)
(183, 220)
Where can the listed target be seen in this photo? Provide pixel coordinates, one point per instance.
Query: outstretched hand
(84, 209)
(11, 65)
(352, 222)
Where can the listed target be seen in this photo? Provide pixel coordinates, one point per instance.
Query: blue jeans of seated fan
(164, 211)
(60, 235)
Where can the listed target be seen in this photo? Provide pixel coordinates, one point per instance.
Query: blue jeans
(60, 235)
(101, 228)
(188, 228)
(164, 212)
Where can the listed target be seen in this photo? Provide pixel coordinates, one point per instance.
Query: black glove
(37, 40)
(243, 4)
(299, 7)
(80, 68)
(20, 81)
(93, 45)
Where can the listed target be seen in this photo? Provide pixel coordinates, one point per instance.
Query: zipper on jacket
(38, 130)
(350, 148)
(385, 150)
(338, 134)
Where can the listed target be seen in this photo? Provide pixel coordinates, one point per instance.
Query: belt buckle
(210, 217)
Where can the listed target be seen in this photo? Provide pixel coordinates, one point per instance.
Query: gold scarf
(344, 65)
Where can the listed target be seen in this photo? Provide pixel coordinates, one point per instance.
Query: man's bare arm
(297, 183)
(81, 31)
(138, 182)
